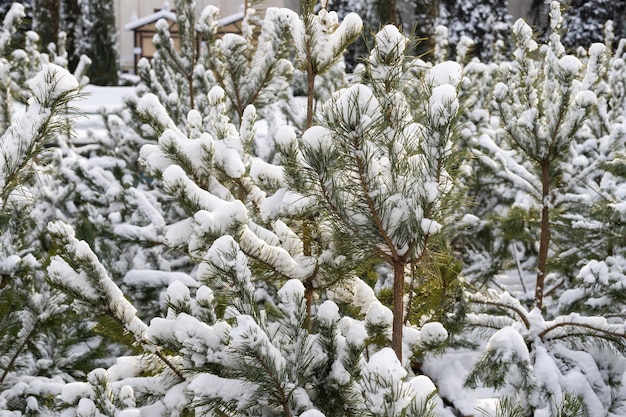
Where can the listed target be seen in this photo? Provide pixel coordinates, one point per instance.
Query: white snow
(142, 278)
(447, 72)
(433, 333)
(328, 313)
(74, 390)
(570, 65)
(390, 42)
(443, 105)
(51, 82)
(379, 315)
(385, 363)
(509, 342)
(430, 227)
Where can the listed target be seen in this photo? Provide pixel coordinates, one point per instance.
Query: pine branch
(595, 331)
(19, 351)
(520, 314)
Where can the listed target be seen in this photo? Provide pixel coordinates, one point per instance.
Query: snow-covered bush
(541, 146)
(237, 280)
(40, 342)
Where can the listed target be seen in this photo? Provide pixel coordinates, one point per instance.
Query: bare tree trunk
(544, 240)
(398, 308)
(388, 12)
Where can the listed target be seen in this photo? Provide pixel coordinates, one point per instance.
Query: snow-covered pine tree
(260, 71)
(544, 367)
(248, 363)
(240, 64)
(598, 222)
(225, 345)
(39, 346)
(531, 358)
(541, 120)
(377, 161)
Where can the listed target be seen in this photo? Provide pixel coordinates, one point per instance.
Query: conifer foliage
(210, 255)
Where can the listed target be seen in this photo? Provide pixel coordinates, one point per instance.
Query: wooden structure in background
(144, 30)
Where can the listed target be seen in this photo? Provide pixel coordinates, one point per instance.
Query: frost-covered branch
(52, 88)
(88, 281)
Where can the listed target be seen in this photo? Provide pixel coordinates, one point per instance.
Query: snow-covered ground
(95, 101)
(98, 98)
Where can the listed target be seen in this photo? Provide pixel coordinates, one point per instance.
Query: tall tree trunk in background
(388, 12)
(69, 13)
(98, 40)
(46, 20)
(426, 19)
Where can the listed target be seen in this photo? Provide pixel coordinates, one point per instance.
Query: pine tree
(38, 344)
(545, 128)
(527, 348)
(266, 354)
(384, 188)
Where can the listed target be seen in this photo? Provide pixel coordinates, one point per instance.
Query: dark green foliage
(97, 38)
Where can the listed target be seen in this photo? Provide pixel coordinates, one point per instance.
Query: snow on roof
(146, 20)
(230, 19)
(169, 15)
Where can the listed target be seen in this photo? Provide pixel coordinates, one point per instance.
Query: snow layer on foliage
(386, 390)
(74, 390)
(204, 342)
(385, 363)
(328, 313)
(145, 278)
(326, 36)
(100, 288)
(354, 331)
(210, 386)
(508, 341)
(354, 291)
(59, 269)
(570, 65)
(291, 293)
(51, 82)
(265, 173)
(312, 413)
(218, 214)
(443, 105)
(318, 138)
(285, 136)
(247, 334)
(47, 85)
(151, 106)
(9, 264)
(284, 203)
(447, 72)
(391, 43)
(430, 227)
(433, 333)
(356, 106)
(378, 315)
(276, 256)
